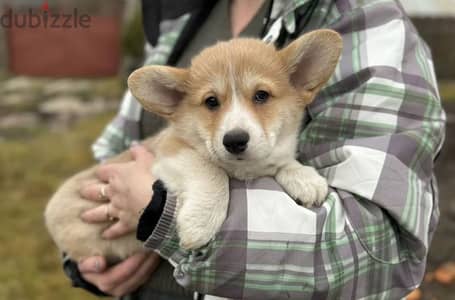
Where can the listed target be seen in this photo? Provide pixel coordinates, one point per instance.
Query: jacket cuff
(164, 239)
(152, 213)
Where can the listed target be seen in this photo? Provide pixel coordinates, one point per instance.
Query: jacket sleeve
(374, 133)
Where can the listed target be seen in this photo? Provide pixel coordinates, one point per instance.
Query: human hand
(120, 279)
(127, 186)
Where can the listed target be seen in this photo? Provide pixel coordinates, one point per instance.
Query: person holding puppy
(373, 131)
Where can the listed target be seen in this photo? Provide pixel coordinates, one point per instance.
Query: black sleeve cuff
(152, 213)
(72, 271)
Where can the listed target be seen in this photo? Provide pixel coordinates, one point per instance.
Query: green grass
(30, 170)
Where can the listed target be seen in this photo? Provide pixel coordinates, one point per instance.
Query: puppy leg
(302, 183)
(202, 191)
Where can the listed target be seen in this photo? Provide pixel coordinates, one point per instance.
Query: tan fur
(79, 239)
(190, 158)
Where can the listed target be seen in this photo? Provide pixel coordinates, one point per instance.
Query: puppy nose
(236, 141)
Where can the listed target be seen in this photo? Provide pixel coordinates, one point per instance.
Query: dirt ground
(443, 247)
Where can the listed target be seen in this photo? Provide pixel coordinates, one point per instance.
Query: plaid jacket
(373, 132)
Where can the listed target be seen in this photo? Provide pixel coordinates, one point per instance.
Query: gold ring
(102, 194)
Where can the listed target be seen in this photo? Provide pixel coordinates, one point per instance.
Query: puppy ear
(159, 89)
(311, 59)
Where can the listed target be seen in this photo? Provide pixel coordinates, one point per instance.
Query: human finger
(139, 277)
(113, 276)
(92, 264)
(95, 192)
(117, 230)
(98, 214)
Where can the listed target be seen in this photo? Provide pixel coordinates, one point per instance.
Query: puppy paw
(196, 226)
(192, 238)
(304, 184)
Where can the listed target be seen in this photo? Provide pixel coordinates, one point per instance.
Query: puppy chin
(222, 156)
(249, 156)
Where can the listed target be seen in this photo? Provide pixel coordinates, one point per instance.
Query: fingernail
(96, 266)
(105, 236)
(134, 143)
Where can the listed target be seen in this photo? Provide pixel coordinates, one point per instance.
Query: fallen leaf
(414, 295)
(445, 274)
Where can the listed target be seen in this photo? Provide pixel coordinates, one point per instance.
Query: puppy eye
(261, 97)
(212, 103)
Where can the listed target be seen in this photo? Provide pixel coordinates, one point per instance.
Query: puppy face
(240, 100)
(243, 99)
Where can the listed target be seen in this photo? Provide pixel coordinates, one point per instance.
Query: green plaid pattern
(373, 132)
(124, 129)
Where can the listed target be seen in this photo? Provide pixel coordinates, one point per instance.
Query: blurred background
(58, 89)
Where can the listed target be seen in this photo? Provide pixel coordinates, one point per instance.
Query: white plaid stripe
(385, 49)
(299, 221)
(358, 170)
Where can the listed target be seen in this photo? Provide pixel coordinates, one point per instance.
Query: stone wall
(28, 105)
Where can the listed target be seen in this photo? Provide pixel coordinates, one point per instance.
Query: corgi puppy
(235, 112)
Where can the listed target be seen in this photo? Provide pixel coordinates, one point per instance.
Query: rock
(99, 105)
(67, 107)
(20, 120)
(16, 99)
(64, 106)
(65, 87)
(21, 84)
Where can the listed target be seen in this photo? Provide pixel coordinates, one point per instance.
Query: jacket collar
(284, 10)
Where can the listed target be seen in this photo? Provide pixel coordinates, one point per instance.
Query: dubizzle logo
(44, 17)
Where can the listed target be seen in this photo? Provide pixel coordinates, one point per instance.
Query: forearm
(281, 250)
(376, 223)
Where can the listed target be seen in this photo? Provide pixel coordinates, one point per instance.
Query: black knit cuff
(72, 271)
(152, 213)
